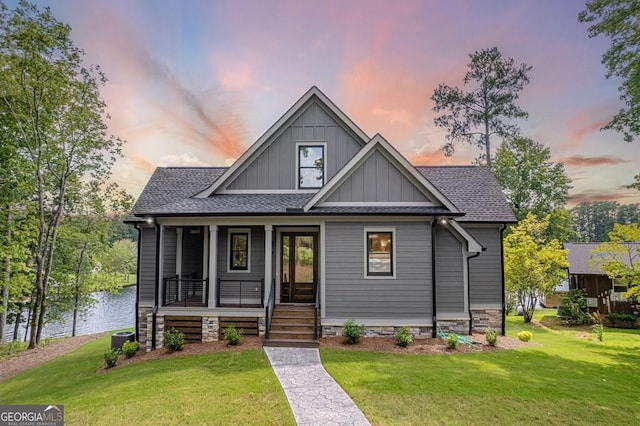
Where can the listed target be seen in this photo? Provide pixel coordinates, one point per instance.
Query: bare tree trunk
(76, 301)
(487, 143)
(6, 277)
(16, 324)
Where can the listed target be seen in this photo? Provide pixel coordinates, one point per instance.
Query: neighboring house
(602, 292)
(317, 214)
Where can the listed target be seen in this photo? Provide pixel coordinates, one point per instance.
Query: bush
(622, 320)
(573, 308)
(232, 335)
(352, 332)
(130, 348)
(598, 330)
(111, 357)
(525, 336)
(510, 302)
(452, 340)
(403, 337)
(12, 348)
(491, 336)
(174, 340)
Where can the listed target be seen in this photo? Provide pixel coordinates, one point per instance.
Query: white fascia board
(473, 246)
(275, 127)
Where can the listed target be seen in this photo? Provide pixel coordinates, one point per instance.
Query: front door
(299, 266)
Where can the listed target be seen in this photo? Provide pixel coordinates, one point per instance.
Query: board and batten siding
(256, 257)
(275, 167)
(349, 295)
(147, 266)
(485, 271)
(169, 253)
(449, 273)
(377, 180)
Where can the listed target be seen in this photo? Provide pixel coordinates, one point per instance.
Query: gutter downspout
(157, 290)
(469, 291)
(504, 325)
(434, 319)
(138, 284)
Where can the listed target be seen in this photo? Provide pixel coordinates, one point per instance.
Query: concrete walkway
(315, 398)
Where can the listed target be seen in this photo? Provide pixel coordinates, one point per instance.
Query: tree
(594, 221)
(473, 117)
(531, 182)
(533, 265)
(54, 105)
(618, 20)
(619, 258)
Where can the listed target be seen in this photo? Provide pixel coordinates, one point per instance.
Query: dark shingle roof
(170, 190)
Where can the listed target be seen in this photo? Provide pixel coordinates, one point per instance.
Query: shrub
(573, 308)
(174, 340)
(452, 340)
(12, 348)
(111, 357)
(232, 335)
(130, 348)
(510, 302)
(491, 336)
(598, 330)
(403, 337)
(622, 320)
(352, 332)
(525, 336)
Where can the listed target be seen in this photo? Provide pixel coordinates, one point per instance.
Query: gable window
(311, 166)
(380, 252)
(239, 245)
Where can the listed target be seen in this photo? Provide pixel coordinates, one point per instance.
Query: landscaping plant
(491, 336)
(130, 348)
(232, 335)
(403, 337)
(622, 320)
(452, 340)
(524, 336)
(573, 308)
(174, 340)
(111, 357)
(352, 332)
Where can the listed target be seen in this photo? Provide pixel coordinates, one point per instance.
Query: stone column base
(486, 318)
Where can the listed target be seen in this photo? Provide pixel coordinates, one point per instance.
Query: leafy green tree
(619, 258)
(120, 259)
(473, 117)
(593, 221)
(533, 265)
(618, 20)
(531, 182)
(52, 101)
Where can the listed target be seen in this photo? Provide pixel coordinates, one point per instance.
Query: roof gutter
(434, 319)
(469, 290)
(157, 289)
(504, 325)
(137, 315)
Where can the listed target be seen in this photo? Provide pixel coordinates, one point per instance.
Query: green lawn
(220, 388)
(566, 380)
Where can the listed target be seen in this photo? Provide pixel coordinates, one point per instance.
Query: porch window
(311, 166)
(380, 253)
(239, 250)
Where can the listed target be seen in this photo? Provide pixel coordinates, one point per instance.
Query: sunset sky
(197, 82)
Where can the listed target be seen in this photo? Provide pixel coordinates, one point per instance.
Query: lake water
(111, 312)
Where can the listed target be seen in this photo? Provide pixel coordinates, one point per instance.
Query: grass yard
(217, 388)
(569, 379)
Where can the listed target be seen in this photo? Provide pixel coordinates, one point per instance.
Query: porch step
(292, 334)
(290, 343)
(292, 326)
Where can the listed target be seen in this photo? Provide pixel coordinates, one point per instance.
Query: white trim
(473, 245)
(268, 258)
(212, 312)
(405, 167)
(377, 204)
(160, 261)
(453, 316)
(323, 268)
(275, 127)
(323, 144)
(205, 260)
(394, 246)
(465, 278)
(268, 191)
(239, 231)
(374, 322)
(179, 260)
(492, 306)
(213, 265)
(242, 221)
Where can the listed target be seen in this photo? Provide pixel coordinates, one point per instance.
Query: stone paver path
(315, 398)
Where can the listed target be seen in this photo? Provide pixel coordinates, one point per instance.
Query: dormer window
(311, 166)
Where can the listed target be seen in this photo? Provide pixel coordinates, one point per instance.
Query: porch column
(213, 257)
(179, 260)
(160, 261)
(268, 259)
(205, 261)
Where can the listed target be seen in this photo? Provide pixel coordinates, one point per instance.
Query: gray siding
(169, 253)
(192, 251)
(147, 266)
(275, 167)
(379, 180)
(256, 265)
(449, 273)
(485, 271)
(349, 295)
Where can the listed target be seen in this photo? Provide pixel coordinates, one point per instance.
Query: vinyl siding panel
(485, 271)
(275, 166)
(377, 180)
(449, 273)
(147, 267)
(169, 249)
(349, 295)
(256, 260)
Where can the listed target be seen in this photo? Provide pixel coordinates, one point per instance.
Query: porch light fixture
(443, 221)
(149, 220)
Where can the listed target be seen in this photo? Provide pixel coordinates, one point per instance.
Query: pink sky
(196, 82)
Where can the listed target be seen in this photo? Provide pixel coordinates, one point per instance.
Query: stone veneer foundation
(487, 318)
(376, 331)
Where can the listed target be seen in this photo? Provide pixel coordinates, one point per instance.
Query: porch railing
(268, 314)
(240, 293)
(315, 313)
(187, 292)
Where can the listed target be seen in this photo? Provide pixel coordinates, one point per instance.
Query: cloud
(592, 196)
(601, 160)
(181, 160)
(584, 122)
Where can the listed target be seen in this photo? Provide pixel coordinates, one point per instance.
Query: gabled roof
(379, 143)
(248, 155)
(579, 255)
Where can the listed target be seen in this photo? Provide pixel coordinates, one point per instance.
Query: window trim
(371, 230)
(230, 233)
(315, 144)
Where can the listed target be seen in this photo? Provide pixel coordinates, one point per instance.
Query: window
(239, 241)
(379, 252)
(310, 166)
